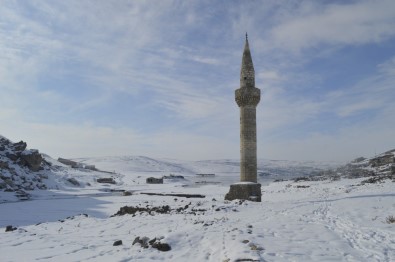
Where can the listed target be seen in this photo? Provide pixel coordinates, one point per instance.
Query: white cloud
(357, 107)
(354, 23)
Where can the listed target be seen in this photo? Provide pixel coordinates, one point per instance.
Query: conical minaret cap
(247, 72)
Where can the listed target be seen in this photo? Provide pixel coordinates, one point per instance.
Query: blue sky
(157, 78)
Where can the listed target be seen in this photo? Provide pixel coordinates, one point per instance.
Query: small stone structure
(75, 164)
(154, 180)
(247, 98)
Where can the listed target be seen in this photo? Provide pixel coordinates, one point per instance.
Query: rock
(150, 210)
(73, 181)
(3, 165)
(11, 156)
(3, 185)
(154, 180)
(10, 228)
(106, 180)
(20, 146)
(256, 248)
(161, 246)
(127, 193)
(32, 158)
(171, 176)
(117, 243)
(22, 195)
(155, 243)
(142, 241)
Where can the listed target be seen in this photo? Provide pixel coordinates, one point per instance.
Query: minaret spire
(247, 72)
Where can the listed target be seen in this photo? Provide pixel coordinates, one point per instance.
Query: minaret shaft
(248, 148)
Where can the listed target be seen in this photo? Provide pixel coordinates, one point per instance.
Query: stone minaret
(247, 98)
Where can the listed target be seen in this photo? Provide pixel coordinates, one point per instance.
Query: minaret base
(246, 191)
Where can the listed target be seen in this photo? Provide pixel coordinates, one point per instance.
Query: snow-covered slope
(24, 170)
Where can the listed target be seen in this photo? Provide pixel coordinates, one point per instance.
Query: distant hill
(271, 169)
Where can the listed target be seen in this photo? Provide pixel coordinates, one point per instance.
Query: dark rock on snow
(10, 228)
(117, 243)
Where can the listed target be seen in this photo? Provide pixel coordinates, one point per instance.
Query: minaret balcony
(247, 96)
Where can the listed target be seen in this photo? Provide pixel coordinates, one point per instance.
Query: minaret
(247, 98)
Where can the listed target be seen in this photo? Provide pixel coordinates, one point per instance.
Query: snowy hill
(24, 170)
(379, 167)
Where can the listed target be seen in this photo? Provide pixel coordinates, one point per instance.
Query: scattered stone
(10, 228)
(154, 180)
(117, 243)
(130, 210)
(106, 180)
(161, 246)
(142, 241)
(390, 219)
(20, 146)
(303, 178)
(377, 179)
(73, 181)
(22, 195)
(301, 186)
(176, 195)
(133, 210)
(154, 243)
(11, 156)
(171, 176)
(3, 165)
(256, 248)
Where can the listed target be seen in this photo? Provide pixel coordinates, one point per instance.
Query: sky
(83, 78)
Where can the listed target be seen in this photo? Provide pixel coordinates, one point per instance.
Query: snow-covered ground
(296, 221)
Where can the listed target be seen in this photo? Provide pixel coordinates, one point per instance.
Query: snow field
(321, 221)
